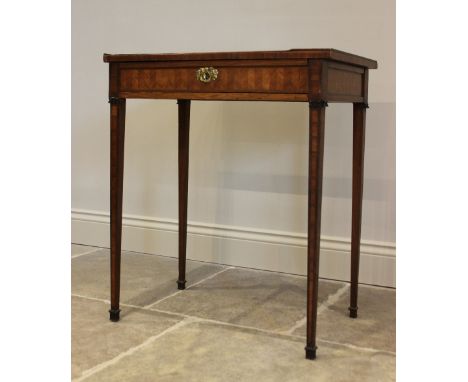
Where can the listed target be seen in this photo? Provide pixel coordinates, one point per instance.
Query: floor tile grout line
(100, 300)
(223, 323)
(251, 269)
(355, 347)
(190, 286)
(252, 328)
(333, 298)
(209, 320)
(210, 277)
(323, 306)
(297, 325)
(162, 299)
(85, 253)
(95, 369)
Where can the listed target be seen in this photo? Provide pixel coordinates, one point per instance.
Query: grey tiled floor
(231, 324)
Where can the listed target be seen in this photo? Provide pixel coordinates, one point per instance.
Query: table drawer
(219, 76)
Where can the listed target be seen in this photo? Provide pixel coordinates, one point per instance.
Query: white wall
(248, 160)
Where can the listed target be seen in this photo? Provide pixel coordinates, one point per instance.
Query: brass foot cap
(114, 315)
(181, 284)
(353, 312)
(311, 352)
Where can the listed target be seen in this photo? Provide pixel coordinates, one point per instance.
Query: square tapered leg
(359, 127)
(184, 129)
(117, 136)
(316, 143)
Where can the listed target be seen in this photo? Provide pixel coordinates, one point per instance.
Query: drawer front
(257, 78)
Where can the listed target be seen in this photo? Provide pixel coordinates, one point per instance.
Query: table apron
(251, 80)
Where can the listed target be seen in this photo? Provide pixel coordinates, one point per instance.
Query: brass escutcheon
(207, 74)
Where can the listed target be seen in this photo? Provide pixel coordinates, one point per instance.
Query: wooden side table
(316, 76)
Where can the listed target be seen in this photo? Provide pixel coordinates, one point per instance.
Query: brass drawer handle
(207, 74)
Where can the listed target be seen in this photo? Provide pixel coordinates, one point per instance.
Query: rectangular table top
(329, 54)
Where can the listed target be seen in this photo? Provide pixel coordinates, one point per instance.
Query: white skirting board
(239, 246)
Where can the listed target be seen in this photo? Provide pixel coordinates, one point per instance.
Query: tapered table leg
(117, 136)
(359, 127)
(184, 129)
(316, 140)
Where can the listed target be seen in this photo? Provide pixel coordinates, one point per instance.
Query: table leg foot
(181, 284)
(353, 312)
(311, 352)
(114, 315)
